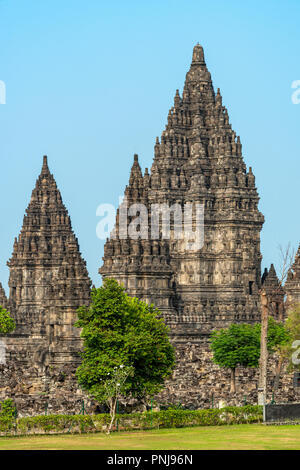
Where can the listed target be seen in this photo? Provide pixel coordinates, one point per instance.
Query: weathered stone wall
(38, 390)
(36, 382)
(196, 383)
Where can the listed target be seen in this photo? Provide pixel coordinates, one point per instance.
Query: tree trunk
(112, 411)
(278, 373)
(232, 381)
(281, 312)
(262, 384)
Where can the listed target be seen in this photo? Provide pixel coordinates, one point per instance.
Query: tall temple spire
(48, 277)
(198, 159)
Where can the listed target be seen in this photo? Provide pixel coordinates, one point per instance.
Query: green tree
(7, 324)
(239, 345)
(235, 346)
(121, 330)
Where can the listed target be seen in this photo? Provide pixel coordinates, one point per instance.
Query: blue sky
(90, 84)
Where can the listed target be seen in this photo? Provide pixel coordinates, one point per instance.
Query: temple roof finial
(136, 172)
(45, 168)
(198, 55)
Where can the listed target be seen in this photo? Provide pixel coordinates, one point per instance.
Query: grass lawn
(242, 436)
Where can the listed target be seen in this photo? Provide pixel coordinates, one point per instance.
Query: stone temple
(197, 161)
(48, 281)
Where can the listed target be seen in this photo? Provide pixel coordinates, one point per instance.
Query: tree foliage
(121, 330)
(7, 324)
(239, 345)
(278, 335)
(235, 346)
(7, 409)
(292, 323)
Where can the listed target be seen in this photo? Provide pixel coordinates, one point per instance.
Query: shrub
(8, 409)
(6, 425)
(171, 418)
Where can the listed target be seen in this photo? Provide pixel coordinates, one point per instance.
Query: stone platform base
(196, 383)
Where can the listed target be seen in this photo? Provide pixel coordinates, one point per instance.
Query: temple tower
(275, 293)
(292, 285)
(197, 161)
(48, 278)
